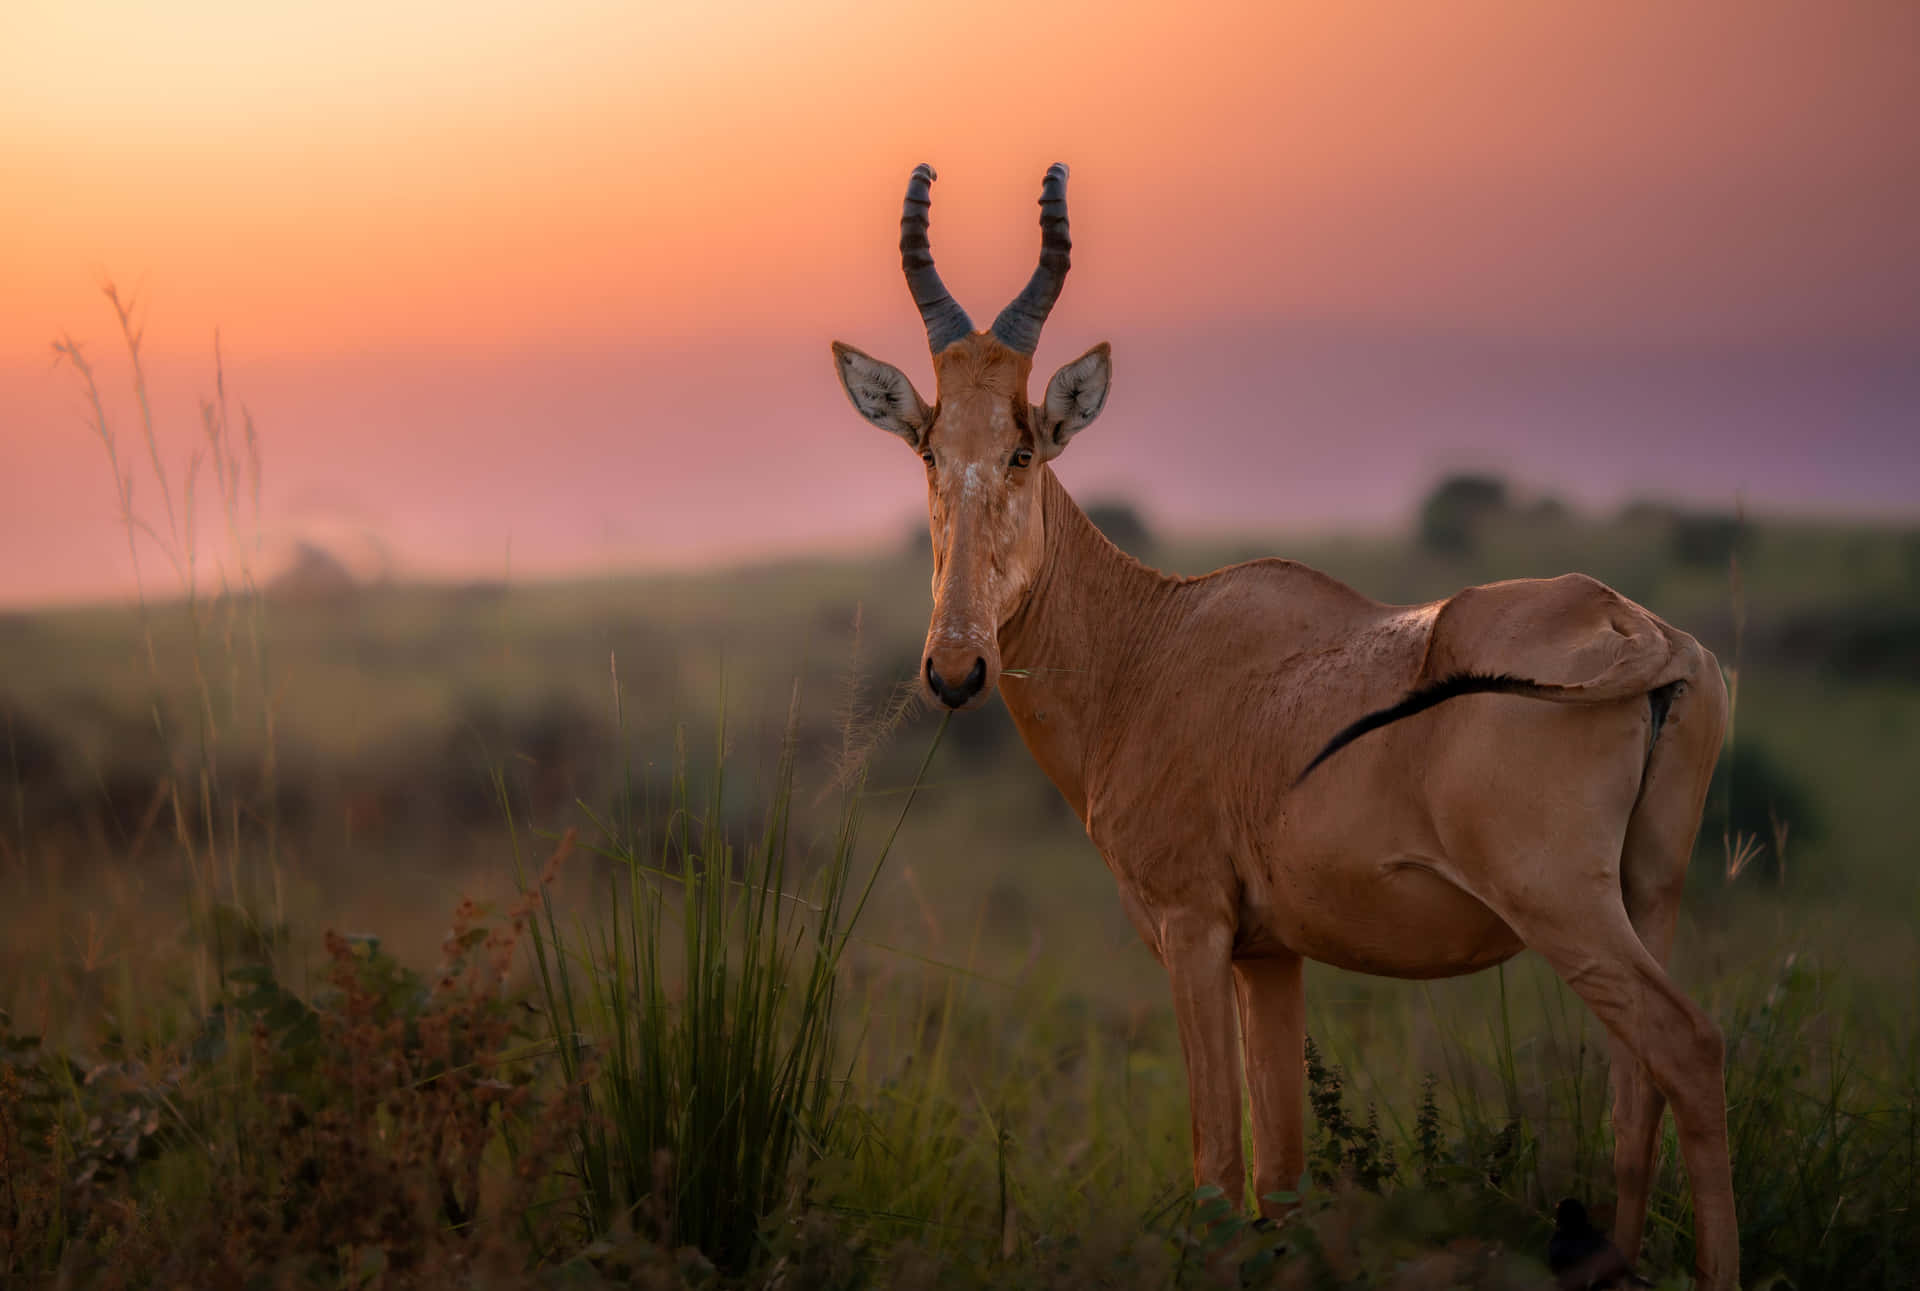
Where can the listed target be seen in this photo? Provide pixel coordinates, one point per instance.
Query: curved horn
(1019, 324)
(946, 321)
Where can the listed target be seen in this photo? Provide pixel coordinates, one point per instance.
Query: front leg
(1198, 954)
(1273, 1029)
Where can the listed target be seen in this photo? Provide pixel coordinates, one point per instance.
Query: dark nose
(954, 696)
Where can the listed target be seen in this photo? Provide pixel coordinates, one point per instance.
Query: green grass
(990, 1119)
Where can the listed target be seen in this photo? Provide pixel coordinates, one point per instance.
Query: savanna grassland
(629, 932)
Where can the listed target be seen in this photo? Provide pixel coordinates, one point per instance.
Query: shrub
(1451, 515)
(1754, 803)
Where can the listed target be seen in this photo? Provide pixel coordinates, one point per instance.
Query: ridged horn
(1019, 324)
(946, 321)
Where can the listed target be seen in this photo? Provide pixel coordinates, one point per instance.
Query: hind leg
(1596, 950)
(1653, 907)
(1653, 871)
(1652, 878)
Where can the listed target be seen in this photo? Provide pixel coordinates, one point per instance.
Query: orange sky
(424, 198)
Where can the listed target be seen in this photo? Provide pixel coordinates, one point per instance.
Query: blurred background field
(424, 736)
(391, 702)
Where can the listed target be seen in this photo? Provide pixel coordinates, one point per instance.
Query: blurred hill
(397, 723)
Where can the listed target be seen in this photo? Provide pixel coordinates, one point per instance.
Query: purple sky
(544, 305)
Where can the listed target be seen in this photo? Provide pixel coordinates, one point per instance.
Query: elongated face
(983, 445)
(984, 448)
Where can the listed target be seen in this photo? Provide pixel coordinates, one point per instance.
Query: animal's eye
(1023, 457)
(927, 458)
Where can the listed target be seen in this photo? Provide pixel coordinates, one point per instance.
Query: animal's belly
(1398, 919)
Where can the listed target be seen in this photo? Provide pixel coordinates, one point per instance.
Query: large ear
(882, 394)
(1075, 397)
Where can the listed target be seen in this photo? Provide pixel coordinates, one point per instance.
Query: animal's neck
(1072, 652)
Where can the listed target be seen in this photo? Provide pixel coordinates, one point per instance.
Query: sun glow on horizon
(383, 207)
(373, 173)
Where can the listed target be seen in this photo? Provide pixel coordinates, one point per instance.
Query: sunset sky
(558, 280)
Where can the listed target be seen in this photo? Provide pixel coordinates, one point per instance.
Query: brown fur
(1176, 715)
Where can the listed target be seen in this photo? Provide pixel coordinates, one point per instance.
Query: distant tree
(1697, 539)
(1706, 539)
(1451, 516)
(1123, 524)
(314, 574)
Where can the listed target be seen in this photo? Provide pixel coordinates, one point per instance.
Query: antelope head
(985, 447)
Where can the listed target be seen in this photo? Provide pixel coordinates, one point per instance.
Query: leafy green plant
(1344, 1150)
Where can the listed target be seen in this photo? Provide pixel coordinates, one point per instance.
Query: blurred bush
(1694, 539)
(1756, 797)
(1706, 539)
(1123, 524)
(1873, 642)
(1476, 515)
(1451, 515)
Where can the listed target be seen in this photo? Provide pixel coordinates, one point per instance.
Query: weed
(1344, 1150)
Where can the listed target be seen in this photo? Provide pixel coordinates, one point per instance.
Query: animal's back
(1283, 656)
(1271, 664)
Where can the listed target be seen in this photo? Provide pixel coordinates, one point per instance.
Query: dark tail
(1468, 683)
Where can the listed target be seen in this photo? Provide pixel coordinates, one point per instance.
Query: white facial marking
(968, 634)
(984, 496)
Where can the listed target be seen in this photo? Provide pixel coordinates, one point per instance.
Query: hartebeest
(1277, 768)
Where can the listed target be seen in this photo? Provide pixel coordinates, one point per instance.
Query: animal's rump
(1573, 637)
